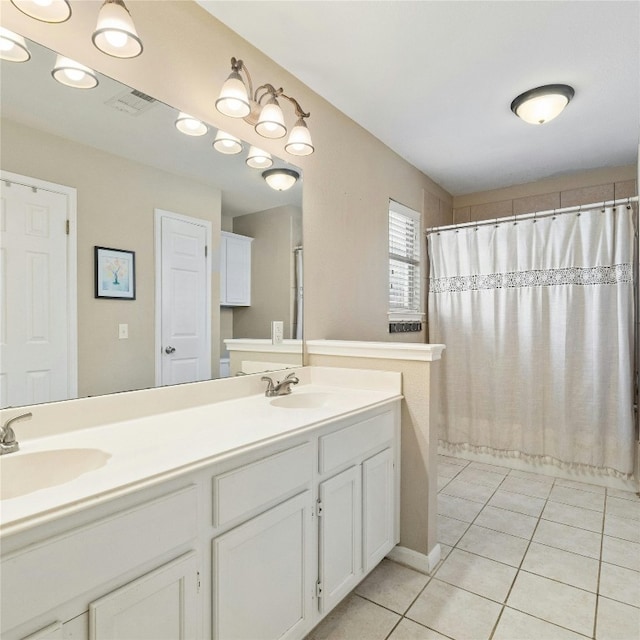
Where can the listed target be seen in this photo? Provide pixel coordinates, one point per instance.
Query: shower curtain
(537, 319)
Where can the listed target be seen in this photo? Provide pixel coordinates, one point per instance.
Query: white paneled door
(36, 294)
(184, 298)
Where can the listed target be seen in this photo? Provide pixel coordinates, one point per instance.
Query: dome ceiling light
(542, 104)
(280, 179)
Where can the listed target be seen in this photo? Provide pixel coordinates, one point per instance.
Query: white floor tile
(617, 621)
(526, 487)
(621, 528)
(468, 491)
(529, 475)
(450, 530)
(570, 568)
(454, 612)
(515, 625)
(451, 460)
(458, 508)
(392, 586)
(410, 630)
(625, 495)
(494, 545)
(620, 584)
(554, 602)
(517, 502)
(477, 574)
(562, 536)
(515, 524)
(578, 498)
(503, 471)
(481, 477)
(582, 486)
(622, 508)
(442, 483)
(448, 470)
(621, 552)
(574, 516)
(356, 619)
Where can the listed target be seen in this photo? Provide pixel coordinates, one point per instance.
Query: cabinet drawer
(46, 575)
(341, 446)
(244, 490)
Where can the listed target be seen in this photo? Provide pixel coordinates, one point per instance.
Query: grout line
(604, 517)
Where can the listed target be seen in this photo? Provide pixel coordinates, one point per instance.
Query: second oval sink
(301, 400)
(23, 473)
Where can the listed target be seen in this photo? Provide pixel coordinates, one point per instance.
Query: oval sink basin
(25, 473)
(301, 401)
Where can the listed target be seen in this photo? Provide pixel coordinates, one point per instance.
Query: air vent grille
(131, 101)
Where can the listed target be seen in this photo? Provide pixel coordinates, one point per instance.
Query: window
(404, 263)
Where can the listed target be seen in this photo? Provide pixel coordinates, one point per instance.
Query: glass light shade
(271, 121)
(281, 179)
(542, 104)
(115, 33)
(190, 126)
(73, 74)
(233, 100)
(13, 47)
(258, 159)
(226, 143)
(45, 10)
(299, 143)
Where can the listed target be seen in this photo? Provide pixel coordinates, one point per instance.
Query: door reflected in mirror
(86, 168)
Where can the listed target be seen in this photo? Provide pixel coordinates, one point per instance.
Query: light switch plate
(277, 332)
(123, 331)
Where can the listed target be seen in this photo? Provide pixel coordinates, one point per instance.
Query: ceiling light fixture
(190, 126)
(73, 74)
(45, 10)
(115, 32)
(542, 104)
(258, 159)
(13, 47)
(226, 143)
(261, 109)
(281, 179)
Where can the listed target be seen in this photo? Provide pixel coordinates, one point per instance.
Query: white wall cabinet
(235, 270)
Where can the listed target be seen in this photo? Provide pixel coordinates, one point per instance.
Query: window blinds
(404, 261)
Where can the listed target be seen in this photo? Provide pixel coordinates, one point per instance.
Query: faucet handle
(8, 442)
(270, 387)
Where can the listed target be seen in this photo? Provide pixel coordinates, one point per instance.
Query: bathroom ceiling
(434, 80)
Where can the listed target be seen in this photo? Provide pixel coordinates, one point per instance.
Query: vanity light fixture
(190, 126)
(258, 159)
(73, 74)
(281, 179)
(261, 109)
(542, 104)
(115, 32)
(226, 143)
(45, 10)
(13, 47)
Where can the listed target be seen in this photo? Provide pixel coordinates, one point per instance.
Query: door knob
(169, 350)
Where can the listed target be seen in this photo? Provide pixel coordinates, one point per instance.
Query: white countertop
(157, 447)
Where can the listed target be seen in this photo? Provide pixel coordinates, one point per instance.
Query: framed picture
(115, 273)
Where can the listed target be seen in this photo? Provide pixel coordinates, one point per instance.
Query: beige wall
(275, 232)
(115, 201)
(586, 187)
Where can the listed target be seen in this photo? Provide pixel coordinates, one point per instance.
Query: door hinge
(198, 581)
(319, 508)
(318, 589)
(67, 226)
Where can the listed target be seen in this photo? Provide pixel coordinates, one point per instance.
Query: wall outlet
(277, 332)
(123, 331)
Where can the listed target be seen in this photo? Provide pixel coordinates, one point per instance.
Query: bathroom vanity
(248, 517)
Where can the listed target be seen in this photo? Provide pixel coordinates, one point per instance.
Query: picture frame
(115, 273)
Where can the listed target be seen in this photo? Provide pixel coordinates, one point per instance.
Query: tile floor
(525, 556)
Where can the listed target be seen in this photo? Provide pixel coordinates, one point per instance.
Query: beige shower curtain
(537, 318)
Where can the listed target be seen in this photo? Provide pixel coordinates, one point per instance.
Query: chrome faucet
(280, 388)
(8, 442)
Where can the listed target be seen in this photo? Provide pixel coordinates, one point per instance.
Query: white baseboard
(414, 559)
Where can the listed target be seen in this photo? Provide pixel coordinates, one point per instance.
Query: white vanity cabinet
(235, 270)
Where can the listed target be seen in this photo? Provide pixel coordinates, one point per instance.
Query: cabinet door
(340, 536)
(51, 632)
(236, 270)
(162, 604)
(263, 575)
(377, 508)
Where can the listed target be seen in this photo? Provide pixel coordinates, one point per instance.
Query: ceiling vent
(132, 102)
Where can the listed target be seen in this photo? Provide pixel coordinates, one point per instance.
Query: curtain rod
(535, 215)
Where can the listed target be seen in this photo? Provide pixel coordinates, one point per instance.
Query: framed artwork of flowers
(115, 273)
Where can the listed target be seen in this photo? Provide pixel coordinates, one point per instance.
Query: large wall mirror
(116, 155)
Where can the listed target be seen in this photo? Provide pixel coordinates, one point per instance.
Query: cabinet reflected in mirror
(111, 158)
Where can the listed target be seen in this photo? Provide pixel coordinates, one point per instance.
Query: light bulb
(226, 143)
(190, 126)
(13, 46)
(271, 121)
(43, 3)
(116, 38)
(52, 11)
(233, 100)
(299, 143)
(115, 32)
(258, 159)
(75, 75)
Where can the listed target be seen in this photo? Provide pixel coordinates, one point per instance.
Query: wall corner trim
(416, 560)
(382, 350)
